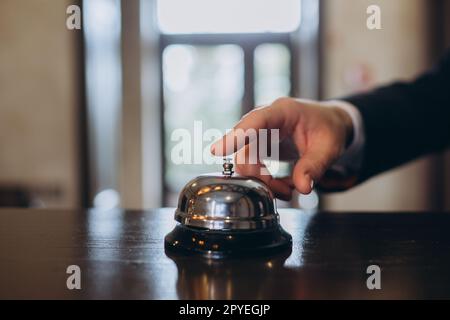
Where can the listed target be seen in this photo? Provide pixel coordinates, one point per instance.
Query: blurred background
(86, 115)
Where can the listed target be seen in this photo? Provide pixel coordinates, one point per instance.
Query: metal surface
(227, 167)
(223, 202)
(213, 244)
(121, 256)
(224, 216)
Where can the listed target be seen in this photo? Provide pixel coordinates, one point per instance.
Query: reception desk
(120, 254)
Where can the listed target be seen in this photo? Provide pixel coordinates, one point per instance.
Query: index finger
(246, 130)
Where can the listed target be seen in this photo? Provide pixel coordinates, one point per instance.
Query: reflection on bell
(224, 215)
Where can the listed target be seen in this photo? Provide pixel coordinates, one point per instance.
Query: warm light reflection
(203, 190)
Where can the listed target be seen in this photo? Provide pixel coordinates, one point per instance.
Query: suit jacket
(405, 120)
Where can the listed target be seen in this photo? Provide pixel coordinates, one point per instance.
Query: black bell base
(228, 243)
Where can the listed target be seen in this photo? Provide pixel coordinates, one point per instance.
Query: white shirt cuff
(350, 162)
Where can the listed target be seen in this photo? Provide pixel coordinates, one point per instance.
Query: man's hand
(317, 131)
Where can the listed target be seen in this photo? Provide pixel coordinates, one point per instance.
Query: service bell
(222, 215)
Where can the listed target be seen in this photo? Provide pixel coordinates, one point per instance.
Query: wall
(357, 58)
(446, 156)
(38, 100)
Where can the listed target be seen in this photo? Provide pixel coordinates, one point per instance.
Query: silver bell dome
(220, 202)
(221, 215)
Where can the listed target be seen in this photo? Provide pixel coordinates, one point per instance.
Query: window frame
(248, 42)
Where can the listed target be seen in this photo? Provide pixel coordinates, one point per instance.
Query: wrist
(351, 160)
(346, 121)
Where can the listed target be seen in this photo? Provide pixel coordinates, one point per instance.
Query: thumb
(309, 169)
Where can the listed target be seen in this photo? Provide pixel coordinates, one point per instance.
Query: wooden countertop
(121, 255)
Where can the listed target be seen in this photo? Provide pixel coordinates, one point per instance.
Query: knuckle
(254, 113)
(282, 101)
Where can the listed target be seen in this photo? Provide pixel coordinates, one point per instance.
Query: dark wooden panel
(121, 255)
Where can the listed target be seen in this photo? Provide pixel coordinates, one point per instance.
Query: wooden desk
(121, 255)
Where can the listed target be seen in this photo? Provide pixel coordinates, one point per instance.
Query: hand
(317, 131)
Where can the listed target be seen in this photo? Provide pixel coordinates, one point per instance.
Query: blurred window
(230, 16)
(272, 72)
(102, 36)
(219, 60)
(201, 83)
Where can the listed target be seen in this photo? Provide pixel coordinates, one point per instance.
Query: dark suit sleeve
(405, 120)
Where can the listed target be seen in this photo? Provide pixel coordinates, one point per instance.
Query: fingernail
(311, 184)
